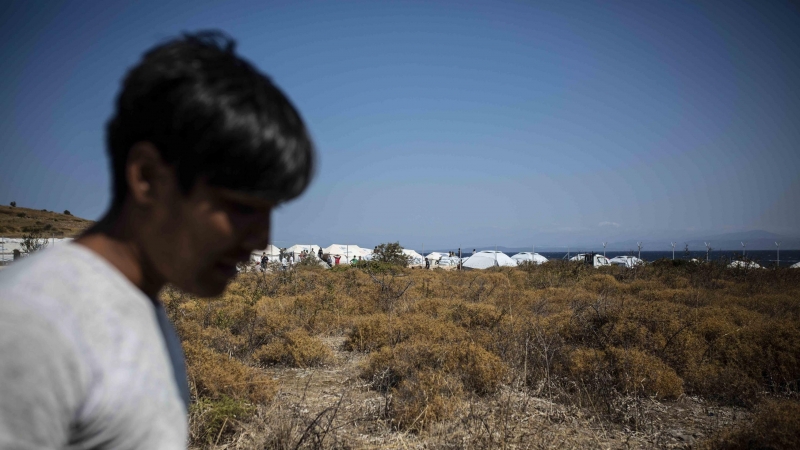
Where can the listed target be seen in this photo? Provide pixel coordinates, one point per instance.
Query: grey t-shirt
(84, 363)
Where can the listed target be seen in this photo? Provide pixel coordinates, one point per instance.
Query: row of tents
(478, 260)
(483, 259)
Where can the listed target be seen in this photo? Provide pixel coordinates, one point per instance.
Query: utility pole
(673, 250)
(744, 250)
(708, 250)
(639, 244)
(604, 249)
(778, 244)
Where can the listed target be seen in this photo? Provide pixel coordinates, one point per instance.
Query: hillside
(17, 221)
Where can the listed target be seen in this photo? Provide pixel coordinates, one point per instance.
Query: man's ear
(149, 178)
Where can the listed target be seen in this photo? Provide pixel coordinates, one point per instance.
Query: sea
(766, 258)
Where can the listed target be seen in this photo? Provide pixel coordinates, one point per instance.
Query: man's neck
(114, 240)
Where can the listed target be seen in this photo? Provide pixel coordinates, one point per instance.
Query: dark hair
(211, 114)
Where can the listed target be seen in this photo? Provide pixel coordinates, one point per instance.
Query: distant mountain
(752, 235)
(755, 240)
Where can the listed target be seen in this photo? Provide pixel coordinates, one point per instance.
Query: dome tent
(434, 256)
(299, 248)
(626, 261)
(447, 261)
(529, 256)
(744, 265)
(416, 258)
(347, 251)
(597, 261)
(273, 253)
(485, 259)
(795, 266)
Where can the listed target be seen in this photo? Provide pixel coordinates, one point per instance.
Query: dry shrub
(295, 349)
(214, 421)
(369, 333)
(638, 372)
(425, 375)
(379, 330)
(215, 375)
(630, 372)
(775, 425)
(481, 371)
(601, 284)
(475, 315)
(424, 398)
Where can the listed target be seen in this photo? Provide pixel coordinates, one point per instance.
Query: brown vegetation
(16, 222)
(670, 354)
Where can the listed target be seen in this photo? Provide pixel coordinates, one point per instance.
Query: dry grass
(15, 222)
(558, 355)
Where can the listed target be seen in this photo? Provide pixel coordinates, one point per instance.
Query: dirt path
(340, 409)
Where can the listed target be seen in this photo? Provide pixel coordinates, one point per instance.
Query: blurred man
(202, 147)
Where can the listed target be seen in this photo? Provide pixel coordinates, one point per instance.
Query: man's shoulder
(70, 280)
(65, 265)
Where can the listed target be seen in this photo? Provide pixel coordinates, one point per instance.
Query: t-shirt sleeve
(40, 386)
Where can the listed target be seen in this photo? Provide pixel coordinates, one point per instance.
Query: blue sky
(451, 123)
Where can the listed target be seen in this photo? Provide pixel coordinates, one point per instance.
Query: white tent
(795, 266)
(598, 261)
(299, 248)
(434, 256)
(744, 265)
(346, 251)
(529, 256)
(8, 245)
(626, 261)
(273, 253)
(416, 258)
(448, 261)
(485, 259)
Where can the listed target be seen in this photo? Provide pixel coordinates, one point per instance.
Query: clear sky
(451, 123)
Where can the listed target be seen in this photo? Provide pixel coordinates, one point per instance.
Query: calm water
(766, 258)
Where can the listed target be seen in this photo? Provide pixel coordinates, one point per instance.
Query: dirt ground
(331, 407)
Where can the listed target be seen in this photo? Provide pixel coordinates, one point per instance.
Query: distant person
(353, 261)
(337, 258)
(319, 253)
(203, 147)
(264, 261)
(427, 263)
